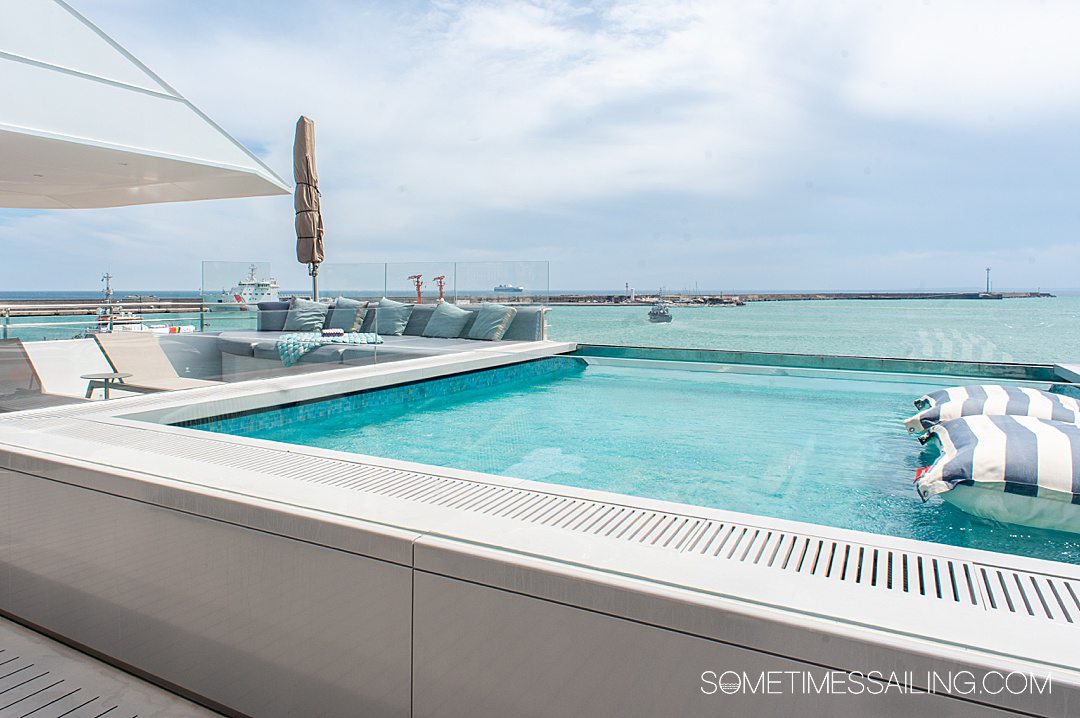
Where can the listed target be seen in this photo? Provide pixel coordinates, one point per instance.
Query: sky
(731, 145)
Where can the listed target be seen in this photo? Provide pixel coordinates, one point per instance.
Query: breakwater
(734, 300)
(183, 305)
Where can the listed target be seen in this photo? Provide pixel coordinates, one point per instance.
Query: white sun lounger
(139, 354)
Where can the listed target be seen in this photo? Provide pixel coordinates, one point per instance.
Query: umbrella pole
(314, 271)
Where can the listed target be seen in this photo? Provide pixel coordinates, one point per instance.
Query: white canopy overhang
(85, 124)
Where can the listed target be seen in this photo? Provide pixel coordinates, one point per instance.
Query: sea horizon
(120, 293)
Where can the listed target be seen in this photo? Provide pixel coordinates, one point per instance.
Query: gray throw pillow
(344, 314)
(446, 321)
(392, 317)
(491, 322)
(305, 316)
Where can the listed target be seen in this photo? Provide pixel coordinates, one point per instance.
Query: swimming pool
(820, 449)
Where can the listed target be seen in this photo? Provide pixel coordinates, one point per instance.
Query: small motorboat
(660, 313)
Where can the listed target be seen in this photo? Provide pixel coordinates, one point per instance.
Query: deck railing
(33, 320)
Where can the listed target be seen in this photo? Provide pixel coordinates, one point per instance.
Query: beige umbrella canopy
(309, 221)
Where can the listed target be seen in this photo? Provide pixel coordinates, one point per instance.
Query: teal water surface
(1010, 330)
(824, 451)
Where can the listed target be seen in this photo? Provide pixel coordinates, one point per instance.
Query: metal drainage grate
(966, 583)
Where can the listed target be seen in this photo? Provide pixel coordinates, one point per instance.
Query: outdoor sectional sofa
(254, 352)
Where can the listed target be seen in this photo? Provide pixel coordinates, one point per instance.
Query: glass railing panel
(510, 281)
(419, 282)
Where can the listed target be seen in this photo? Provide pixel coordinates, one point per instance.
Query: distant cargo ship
(509, 288)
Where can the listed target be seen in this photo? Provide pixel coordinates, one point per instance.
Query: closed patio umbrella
(309, 221)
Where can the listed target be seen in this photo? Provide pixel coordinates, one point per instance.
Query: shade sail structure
(85, 124)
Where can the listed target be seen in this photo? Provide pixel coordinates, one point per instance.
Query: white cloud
(464, 120)
(981, 66)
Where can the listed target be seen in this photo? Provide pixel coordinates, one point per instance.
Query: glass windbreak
(521, 281)
(242, 324)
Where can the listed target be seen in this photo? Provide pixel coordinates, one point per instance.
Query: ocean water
(823, 451)
(1011, 330)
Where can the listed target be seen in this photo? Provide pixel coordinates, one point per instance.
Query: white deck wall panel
(158, 544)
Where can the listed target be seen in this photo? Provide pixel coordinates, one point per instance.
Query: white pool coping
(702, 571)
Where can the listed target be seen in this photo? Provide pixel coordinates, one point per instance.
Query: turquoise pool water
(825, 451)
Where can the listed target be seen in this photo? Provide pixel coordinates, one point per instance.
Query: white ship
(509, 288)
(246, 294)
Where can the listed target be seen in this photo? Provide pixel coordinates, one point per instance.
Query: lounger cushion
(446, 321)
(392, 317)
(344, 315)
(527, 326)
(418, 320)
(305, 316)
(272, 316)
(266, 350)
(491, 322)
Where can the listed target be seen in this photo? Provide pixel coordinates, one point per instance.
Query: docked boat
(660, 314)
(114, 315)
(247, 293)
(509, 288)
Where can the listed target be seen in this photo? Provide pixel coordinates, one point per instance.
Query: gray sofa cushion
(272, 316)
(474, 311)
(266, 350)
(528, 325)
(421, 315)
(365, 354)
(238, 347)
(322, 355)
(367, 325)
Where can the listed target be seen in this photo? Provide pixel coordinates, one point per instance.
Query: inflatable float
(1015, 469)
(991, 400)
